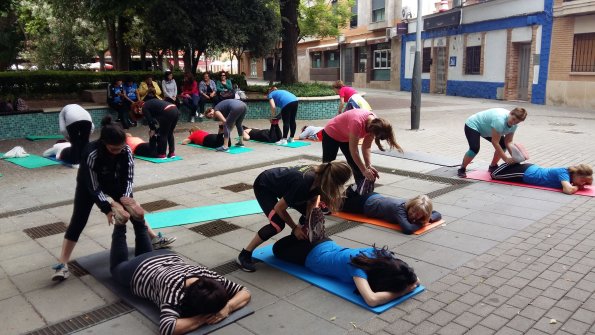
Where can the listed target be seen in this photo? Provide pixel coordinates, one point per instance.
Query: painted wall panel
(499, 9)
(521, 34)
(584, 24)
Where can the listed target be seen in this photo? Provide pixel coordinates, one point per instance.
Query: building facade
(571, 78)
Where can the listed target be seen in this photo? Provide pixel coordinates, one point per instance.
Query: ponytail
(332, 177)
(383, 130)
(111, 132)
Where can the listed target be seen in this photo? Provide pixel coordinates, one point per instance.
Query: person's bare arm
(496, 144)
(568, 188)
(378, 298)
(281, 210)
(185, 325)
(238, 301)
(273, 107)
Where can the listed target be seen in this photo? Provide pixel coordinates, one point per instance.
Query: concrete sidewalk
(509, 260)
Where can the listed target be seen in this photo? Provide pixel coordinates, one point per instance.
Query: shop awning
(324, 47)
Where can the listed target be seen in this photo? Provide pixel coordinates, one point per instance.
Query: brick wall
(562, 43)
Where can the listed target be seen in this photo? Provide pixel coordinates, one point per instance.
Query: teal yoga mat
(331, 285)
(31, 161)
(200, 214)
(159, 160)
(294, 144)
(44, 137)
(232, 150)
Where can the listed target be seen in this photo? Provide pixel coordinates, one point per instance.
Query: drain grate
(158, 205)
(214, 228)
(46, 230)
(445, 190)
(85, 320)
(238, 187)
(341, 227)
(226, 268)
(76, 269)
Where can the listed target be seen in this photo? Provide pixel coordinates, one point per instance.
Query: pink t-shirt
(346, 92)
(351, 122)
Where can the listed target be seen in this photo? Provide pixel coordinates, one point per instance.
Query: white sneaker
(61, 272)
(161, 241)
(192, 119)
(281, 142)
(75, 166)
(289, 139)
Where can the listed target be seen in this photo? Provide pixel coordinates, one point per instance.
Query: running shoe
(245, 261)
(316, 230)
(161, 241)
(222, 149)
(61, 272)
(462, 173)
(171, 155)
(240, 144)
(289, 139)
(281, 142)
(492, 168)
(133, 208)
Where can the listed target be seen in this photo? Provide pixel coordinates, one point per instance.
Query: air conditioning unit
(391, 32)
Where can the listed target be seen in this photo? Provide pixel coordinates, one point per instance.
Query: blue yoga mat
(232, 150)
(158, 160)
(200, 214)
(294, 144)
(341, 289)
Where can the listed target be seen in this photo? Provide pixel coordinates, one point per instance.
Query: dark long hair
(204, 296)
(385, 271)
(111, 132)
(383, 130)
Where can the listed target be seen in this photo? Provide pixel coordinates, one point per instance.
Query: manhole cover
(214, 228)
(46, 230)
(240, 187)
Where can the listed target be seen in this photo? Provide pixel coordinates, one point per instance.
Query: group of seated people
(193, 95)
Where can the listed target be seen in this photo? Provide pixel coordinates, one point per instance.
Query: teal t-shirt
(495, 118)
(547, 177)
(330, 259)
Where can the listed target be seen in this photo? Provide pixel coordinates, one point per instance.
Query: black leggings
(330, 148)
(78, 133)
(83, 203)
(213, 140)
(295, 251)
(288, 115)
(147, 149)
(167, 124)
(473, 139)
(512, 172)
(271, 135)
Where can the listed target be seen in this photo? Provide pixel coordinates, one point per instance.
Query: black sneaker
(245, 262)
(492, 168)
(462, 173)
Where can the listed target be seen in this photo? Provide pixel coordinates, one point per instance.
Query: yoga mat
(485, 176)
(294, 144)
(31, 161)
(44, 137)
(159, 160)
(341, 289)
(199, 214)
(421, 157)
(98, 266)
(382, 223)
(232, 150)
(59, 161)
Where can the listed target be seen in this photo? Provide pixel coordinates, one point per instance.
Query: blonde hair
(581, 170)
(383, 130)
(338, 84)
(193, 129)
(331, 177)
(520, 113)
(420, 204)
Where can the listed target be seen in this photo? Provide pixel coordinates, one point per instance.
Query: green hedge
(33, 84)
(299, 89)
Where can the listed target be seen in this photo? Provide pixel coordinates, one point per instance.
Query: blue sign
(452, 61)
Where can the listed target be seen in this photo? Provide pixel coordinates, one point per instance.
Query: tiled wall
(21, 125)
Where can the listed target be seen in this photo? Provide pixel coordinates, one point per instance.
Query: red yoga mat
(485, 176)
(382, 223)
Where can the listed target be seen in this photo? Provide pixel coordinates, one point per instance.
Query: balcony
(575, 7)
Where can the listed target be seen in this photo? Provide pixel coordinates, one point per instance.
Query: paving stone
(508, 331)
(483, 289)
(495, 281)
(22, 317)
(482, 309)
(416, 316)
(485, 231)
(507, 311)
(392, 315)
(578, 294)
(442, 318)
(399, 327)
(456, 307)
(584, 315)
(432, 306)
(425, 328)
(575, 327)
(447, 297)
(533, 312)
(459, 241)
(530, 292)
(480, 330)
(554, 293)
(569, 304)
(543, 302)
(545, 326)
(470, 298)
(452, 329)
(494, 322)
(494, 300)
(520, 323)
(372, 326)
(468, 319)
(434, 254)
(507, 291)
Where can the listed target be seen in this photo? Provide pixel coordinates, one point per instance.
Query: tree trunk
(187, 59)
(143, 57)
(111, 42)
(290, 32)
(123, 47)
(102, 60)
(195, 59)
(160, 60)
(176, 58)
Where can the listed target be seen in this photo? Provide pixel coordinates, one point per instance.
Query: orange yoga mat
(382, 223)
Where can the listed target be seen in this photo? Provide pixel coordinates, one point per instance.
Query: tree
(11, 36)
(320, 18)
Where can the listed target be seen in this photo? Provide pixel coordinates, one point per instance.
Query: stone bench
(96, 96)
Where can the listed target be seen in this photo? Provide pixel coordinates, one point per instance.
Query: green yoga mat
(294, 144)
(232, 150)
(159, 160)
(31, 161)
(44, 137)
(200, 214)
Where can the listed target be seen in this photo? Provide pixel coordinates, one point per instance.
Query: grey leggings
(235, 117)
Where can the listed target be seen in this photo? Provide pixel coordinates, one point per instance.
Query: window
(377, 10)
(316, 60)
(332, 58)
(382, 59)
(353, 22)
(473, 60)
(362, 59)
(253, 67)
(583, 54)
(426, 60)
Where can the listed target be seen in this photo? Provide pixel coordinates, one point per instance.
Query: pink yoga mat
(485, 176)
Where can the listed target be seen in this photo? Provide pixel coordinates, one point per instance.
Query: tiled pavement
(508, 260)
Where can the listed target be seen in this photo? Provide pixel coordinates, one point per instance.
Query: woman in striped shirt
(188, 296)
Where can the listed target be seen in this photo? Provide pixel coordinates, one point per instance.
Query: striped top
(161, 279)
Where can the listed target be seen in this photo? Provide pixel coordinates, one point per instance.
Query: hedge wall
(28, 84)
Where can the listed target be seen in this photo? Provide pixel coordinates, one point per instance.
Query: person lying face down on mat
(570, 179)
(344, 132)
(411, 215)
(139, 147)
(298, 187)
(496, 125)
(231, 112)
(271, 135)
(378, 276)
(312, 133)
(107, 169)
(201, 137)
(188, 296)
